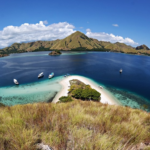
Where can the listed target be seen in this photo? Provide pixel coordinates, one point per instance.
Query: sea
(131, 88)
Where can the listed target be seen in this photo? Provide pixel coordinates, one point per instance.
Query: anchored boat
(41, 75)
(51, 75)
(16, 82)
(120, 70)
(100, 87)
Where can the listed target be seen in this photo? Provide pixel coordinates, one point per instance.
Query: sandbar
(106, 97)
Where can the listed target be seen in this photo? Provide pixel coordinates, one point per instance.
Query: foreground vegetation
(78, 125)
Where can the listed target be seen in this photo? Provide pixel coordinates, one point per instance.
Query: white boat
(120, 70)
(41, 75)
(51, 75)
(100, 87)
(16, 82)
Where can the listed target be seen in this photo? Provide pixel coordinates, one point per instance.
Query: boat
(51, 75)
(100, 87)
(120, 70)
(41, 75)
(16, 82)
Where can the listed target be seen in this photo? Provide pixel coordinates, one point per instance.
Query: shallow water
(30, 93)
(131, 87)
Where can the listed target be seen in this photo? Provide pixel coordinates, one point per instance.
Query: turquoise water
(43, 91)
(128, 98)
(131, 87)
(33, 54)
(124, 97)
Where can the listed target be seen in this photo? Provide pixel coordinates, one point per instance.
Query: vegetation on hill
(75, 125)
(79, 90)
(76, 41)
(65, 99)
(142, 47)
(56, 52)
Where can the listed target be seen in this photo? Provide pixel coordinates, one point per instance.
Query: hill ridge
(75, 41)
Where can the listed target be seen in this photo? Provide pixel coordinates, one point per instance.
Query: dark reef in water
(126, 97)
(51, 99)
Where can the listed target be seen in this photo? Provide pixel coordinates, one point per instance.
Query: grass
(75, 125)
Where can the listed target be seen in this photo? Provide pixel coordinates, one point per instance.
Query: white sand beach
(105, 96)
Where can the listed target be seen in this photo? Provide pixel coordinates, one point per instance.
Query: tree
(77, 93)
(95, 95)
(86, 93)
(65, 99)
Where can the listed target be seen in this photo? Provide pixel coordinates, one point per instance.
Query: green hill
(75, 41)
(142, 47)
(31, 46)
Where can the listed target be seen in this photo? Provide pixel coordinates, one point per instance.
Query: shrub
(77, 93)
(95, 95)
(86, 94)
(65, 99)
(58, 51)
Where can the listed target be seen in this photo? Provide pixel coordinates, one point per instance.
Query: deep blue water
(132, 85)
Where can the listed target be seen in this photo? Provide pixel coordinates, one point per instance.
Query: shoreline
(106, 97)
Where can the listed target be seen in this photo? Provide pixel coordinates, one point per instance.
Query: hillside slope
(76, 41)
(31, 46)
(142, 47)
(75, 125)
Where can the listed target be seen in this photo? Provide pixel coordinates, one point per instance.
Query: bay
(131, 87)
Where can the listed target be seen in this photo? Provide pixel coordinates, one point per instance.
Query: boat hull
(50, 77)
(41, 76)
(17, 83)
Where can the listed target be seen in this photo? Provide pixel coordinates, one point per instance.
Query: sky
(125, 21)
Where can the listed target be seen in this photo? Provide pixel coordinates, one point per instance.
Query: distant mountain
(142, 47)
(31, 46)
(75, 41)
(80, 40)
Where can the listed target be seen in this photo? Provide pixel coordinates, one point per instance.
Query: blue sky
(95, 18)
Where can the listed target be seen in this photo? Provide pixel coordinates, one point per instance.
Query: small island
(56, 52)
(80, 91)
(76, 88)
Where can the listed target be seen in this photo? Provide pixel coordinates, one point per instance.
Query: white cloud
(88, 30)
(81, 27)
(33, 32)
(102, 36)
(40, 31)
(45, 22)
(115, 25)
